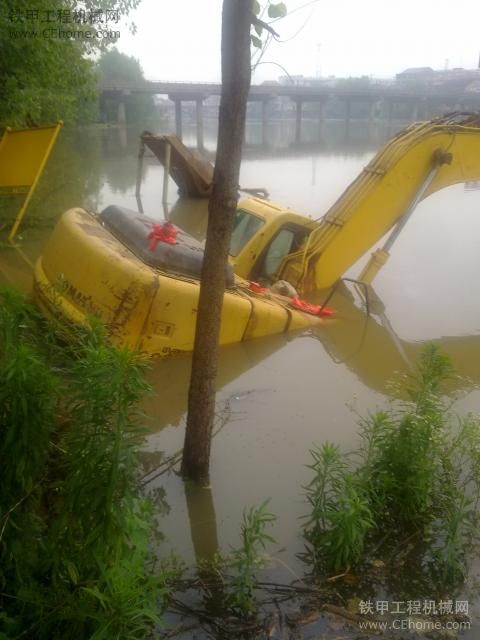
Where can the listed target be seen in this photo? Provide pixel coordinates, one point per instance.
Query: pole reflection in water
(203, 524)
(203, 529)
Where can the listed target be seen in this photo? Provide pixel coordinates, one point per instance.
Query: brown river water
(279, 396)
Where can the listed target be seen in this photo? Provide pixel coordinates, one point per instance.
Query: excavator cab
(264, 235)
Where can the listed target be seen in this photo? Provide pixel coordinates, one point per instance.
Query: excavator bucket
(192, 173)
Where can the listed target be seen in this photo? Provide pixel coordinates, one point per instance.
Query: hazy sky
(180, 39)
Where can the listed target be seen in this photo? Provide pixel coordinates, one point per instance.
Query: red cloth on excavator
(314, 309)
(162, 233)
(256, 287)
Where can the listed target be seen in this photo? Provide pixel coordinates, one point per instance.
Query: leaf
(72, 572)
(277, 10)
(258, 28)
(256, 42)
(256, 7)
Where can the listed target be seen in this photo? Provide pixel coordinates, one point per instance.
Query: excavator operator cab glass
(289, 239)
(245, 226)
(280, 246)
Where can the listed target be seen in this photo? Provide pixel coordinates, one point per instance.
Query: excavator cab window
(277, 250)
(245, 226)
(287, 240)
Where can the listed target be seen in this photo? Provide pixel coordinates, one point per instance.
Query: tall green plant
(28, 397)
(248, 559)
(340, 516)
(416, 475)
(73, 529)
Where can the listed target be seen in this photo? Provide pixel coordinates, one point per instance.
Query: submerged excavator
(142, 278)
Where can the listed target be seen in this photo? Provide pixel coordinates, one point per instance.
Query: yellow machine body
(86, 271)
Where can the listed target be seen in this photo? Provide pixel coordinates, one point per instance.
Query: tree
(46, 73)
(236, 72)
(237, 18)
(118, 69)
(115, 68)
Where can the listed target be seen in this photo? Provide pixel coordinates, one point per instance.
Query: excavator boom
(420, 160)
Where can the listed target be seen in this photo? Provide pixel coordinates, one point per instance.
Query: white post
(166, 172)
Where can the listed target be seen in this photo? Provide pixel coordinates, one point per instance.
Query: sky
(180, 39)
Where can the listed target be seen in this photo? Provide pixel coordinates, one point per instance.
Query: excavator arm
(420, 160)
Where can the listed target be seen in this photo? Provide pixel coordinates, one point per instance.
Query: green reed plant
(74, 553)
(28, 396)
(416, 473)
(99, 490)
(248, 559)
(340, 516)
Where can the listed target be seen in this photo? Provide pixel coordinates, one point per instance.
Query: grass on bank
(74, 559)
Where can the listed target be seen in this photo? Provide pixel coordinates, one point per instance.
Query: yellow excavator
(142, 278)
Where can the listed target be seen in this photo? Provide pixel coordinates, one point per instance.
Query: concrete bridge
(379, 98)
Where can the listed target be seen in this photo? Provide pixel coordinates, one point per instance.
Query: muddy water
(280, 395)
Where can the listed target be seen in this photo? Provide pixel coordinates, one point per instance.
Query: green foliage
(99, 463)
(278, 10)
(46, 76)
(275, 11)
(247, 560)
(44, 79)
(340, 516)
(415, 475)
(257, 42)
(73, 530)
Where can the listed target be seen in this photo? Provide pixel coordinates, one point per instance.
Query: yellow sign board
(23, 155)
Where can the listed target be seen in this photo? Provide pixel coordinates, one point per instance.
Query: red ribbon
(162, 233)
(256, 287)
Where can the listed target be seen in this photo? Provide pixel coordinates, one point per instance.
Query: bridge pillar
(372, 111)
(348, 113)
(121, 113)
(199, 115)
(178, 118)
(429, 109)
(298, 121)
(321, 117)
(415, 110)
(390, 111)
(178, 114)
(102, 108)
(265, 105)
(321, 114)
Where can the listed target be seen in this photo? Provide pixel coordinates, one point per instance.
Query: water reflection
(333, 137)
(120, 155)
(170, 377)
(191, 215)
(367, 345)
(202, 519)
(370, 347)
